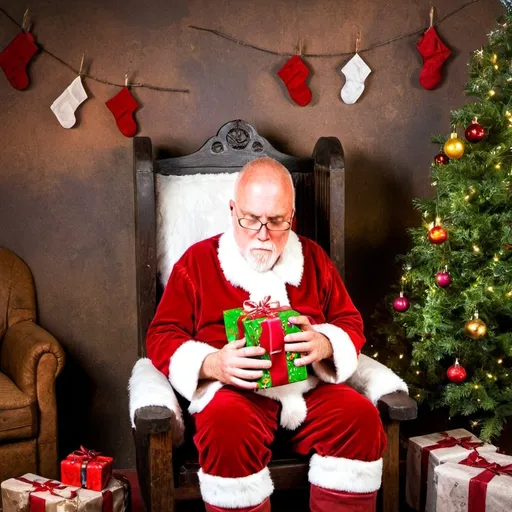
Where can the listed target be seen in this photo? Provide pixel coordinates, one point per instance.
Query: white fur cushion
(190, 209)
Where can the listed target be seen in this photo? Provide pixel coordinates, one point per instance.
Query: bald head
(265, 173)
(262, 212)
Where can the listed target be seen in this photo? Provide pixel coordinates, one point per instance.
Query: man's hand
(233, 365)
(312, 344)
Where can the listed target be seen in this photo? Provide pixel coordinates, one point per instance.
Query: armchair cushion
(18, 412)
(22, 348)
(374, 380)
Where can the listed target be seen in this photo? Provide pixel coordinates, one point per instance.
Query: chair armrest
(153, 403)
(398, 406)
(153, 419)
(374, 380)
(22, 347)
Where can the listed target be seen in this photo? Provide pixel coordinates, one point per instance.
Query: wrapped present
(426, 452)
(475, 484)
(33, 493)
(86, 468)
(265, 324)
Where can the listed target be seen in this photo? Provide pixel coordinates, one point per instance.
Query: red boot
(322, 500)
(262, 507)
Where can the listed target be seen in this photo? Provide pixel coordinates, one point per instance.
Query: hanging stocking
(123, 105)
(65, 105)
(294, 74)
(434, 53)
(356, 71)
(15, 57)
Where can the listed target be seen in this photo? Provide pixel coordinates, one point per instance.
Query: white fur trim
(347, 475)
(185, 365)
(294, 410)
(344, 355)
(203, 395)
(148, 386)
(373, 380)
(287, 270)
(190, 209)
(247, 491)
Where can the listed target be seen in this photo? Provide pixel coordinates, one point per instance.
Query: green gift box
(266, 328)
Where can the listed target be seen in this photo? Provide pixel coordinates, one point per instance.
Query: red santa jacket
(212, 276)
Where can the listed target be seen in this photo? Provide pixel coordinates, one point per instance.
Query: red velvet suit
(234, 428)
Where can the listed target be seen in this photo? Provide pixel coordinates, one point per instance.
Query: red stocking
(123, 105)
(434, 53)
(294, 74)
(15, 57)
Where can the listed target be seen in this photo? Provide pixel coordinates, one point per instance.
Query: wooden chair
(167, 475)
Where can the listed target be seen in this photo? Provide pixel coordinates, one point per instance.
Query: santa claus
(235, 423)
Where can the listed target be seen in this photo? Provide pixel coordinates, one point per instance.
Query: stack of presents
(86, 485)
(454, 471)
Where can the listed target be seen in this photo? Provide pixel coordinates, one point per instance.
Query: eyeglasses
(256, 225)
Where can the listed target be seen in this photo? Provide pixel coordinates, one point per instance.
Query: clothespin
(300, 46)
(126, 79)
(25, 25)
(431, 16)
(358, 41)
(81, 64)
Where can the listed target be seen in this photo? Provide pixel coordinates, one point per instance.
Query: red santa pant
(234, 433)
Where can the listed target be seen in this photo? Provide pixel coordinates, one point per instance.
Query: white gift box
(420, 490)
(453, 487)
(58, 497)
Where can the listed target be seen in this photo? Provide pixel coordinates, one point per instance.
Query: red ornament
(441, 159)
(474, 132)
(443, 279)
(456, 373)
(401, 304)
(437, 235)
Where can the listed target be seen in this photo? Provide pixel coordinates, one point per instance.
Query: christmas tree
(448, 326)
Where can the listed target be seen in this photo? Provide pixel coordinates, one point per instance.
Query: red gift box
(86, 468)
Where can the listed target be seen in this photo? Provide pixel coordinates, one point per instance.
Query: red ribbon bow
(478, 484)
(86, 453)
(37, 503)
(446, 442)
(265, 307)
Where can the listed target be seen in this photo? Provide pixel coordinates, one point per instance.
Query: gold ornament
(454, 147)
(475, 328)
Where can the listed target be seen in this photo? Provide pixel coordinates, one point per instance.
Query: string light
(490, 289)
(496, 258)
(497, 166)
(474, 423)
(494, 58)
(401, 356)
(500, 361)
(491, 93)
(417, 372)
(476, 386)
(376, 354)
(489, 376)
(438, 220)
(476, 248)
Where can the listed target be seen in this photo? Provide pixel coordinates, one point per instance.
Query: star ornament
(479, 53)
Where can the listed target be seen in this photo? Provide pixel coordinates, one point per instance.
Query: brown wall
(66, 196)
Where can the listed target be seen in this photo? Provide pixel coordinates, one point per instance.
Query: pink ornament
(401, 304)
(443, 279)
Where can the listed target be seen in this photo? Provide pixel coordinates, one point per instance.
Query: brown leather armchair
(30, 360)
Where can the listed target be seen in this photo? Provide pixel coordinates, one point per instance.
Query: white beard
(261, 260)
